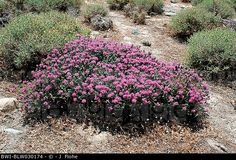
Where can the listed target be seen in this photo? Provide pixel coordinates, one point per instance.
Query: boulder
(101, 23)
(8, 104)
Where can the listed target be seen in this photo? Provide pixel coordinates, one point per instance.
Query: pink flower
(48, 88)
(60, 92)
(64, 81)
(71, 84)
(83, 101)
(134, 101)
(75, 99)
(110, 95)
(74, 94)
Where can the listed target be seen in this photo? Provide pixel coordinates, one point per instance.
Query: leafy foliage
(92, 10)
(224, 9)
(3, 6)
(27, 38)
(195, 2)
(43, 5)
(117, 4)
(189, 21)
(214, 52)
(150, 6)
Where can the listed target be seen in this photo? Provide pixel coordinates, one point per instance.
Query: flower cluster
(95, 71)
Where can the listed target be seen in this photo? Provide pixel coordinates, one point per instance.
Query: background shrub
(43, 5)
(114, 83)
(27, 38)
(117, 4)
(233, 3)
(224, 9)
(92, 10)
(3, 6)
(195, 2)
(189, 21)
(138, 17)
(214, 53)
(150, 6)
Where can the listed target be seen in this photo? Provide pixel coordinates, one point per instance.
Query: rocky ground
(65, 136)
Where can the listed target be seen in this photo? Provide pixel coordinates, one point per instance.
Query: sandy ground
(65, 136)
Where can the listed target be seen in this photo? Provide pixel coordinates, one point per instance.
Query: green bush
(214, 53)
(195, 2)
(117, 4)
(92, 10)
(28, 38)
(138, 17)
(191, 20)
(45, 5)
(220, 8)
(234, 3)
(150, 6)
(3, 5)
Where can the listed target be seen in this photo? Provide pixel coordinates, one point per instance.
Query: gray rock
(170, 13)
(101, 23)
(99, 138)
(217, 146)
(13, 131)
(8, 104)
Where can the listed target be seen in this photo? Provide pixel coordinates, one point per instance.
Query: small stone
(135, 32)
(8, 104)
(12, 131)
(170, 13)
(146, 43)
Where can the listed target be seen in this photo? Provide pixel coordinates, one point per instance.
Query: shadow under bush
(115, 86)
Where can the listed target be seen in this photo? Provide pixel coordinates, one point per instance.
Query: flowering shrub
(99, 75)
